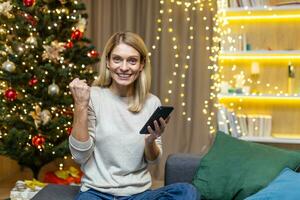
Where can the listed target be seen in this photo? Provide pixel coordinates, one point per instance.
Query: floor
(7, 184)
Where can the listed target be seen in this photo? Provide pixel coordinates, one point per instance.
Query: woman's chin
(124, 83)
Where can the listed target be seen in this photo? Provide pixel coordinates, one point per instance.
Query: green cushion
(235, 169)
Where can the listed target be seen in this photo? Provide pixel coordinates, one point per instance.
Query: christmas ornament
(53, 89)
(69, 45)
(69, 130)
(52, 52)
(63, 1)
(38, 141)
(31, 40)
(93, 54)
(40, 117)
(5, 9)
(76, 35)
(28, 3)
(29, 18)
(9, 66)
(10, 94)
(81, 24)
(33, 81)
(3, 31)
(45, 116)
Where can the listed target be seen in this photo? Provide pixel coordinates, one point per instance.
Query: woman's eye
(117, 59)
(132, 61)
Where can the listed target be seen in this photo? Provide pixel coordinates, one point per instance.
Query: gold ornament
(5, 9)
(40, 117)
(3, 31)
(31, 40)
(81, 25)
(52, 52)
(53, 89)
(9, 66)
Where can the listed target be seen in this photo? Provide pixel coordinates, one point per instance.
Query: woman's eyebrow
(133, 56)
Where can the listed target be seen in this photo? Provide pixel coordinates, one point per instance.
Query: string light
(181, 54)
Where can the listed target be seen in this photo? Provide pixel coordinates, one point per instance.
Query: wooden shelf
(269, 32)
(260, 55)
(271, 140)
(265, 99)
(265, 14)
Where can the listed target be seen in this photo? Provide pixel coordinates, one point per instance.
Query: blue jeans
(177, 191)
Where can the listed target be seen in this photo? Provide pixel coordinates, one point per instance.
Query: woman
(105, 138)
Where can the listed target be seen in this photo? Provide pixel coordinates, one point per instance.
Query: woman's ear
(142, 67)
(107, 64)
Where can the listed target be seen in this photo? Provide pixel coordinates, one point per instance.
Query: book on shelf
(222, 120)
(228, 122)
(238, 125)
(234, 42)
(233, 124)
(242, 119)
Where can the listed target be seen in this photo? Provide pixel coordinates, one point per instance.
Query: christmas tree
(42, 48)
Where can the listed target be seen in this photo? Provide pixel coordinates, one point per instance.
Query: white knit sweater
(113, 159)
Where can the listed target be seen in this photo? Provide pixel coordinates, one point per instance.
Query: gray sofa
(178, 168)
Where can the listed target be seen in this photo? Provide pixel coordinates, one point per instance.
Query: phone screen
(161, 111)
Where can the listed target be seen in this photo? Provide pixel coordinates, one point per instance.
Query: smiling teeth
(124, 75)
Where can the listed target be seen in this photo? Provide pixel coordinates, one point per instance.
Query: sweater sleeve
(81, 151)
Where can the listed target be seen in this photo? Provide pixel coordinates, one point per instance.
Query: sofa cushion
(285, 186)
(236, 169)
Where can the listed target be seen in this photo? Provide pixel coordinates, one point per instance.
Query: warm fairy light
(181, 67)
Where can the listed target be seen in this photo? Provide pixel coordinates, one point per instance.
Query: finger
(162, 123)
(157, 128)
(150, 131)
(167, 119)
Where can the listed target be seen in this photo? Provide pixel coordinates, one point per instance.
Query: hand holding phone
(161, 111)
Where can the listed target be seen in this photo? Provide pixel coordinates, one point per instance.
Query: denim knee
(189, 189)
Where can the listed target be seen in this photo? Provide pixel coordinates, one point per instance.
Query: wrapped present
(71, 176)
(25, 190)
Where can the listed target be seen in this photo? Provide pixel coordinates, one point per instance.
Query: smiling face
(125, 65)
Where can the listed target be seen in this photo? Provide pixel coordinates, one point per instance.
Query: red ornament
(33, 81)
(93, 54)
(10, 94)
(38, 141)
(28, 3)
(69, 130)
(31, 20)
(69, 45)
(76, 35)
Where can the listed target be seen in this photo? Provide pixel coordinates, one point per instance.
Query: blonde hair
(142, 84)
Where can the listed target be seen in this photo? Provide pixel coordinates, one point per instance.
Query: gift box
(71, 176)
(25, 190)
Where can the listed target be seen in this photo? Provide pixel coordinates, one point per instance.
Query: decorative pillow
(236, 169)
(285, 186)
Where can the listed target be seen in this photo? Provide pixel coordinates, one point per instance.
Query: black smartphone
(161, 111)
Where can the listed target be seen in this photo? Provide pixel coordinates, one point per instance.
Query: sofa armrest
(181, 168)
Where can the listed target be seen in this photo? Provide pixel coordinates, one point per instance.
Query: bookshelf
(259, 70)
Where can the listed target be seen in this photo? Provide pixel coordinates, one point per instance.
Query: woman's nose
(124, 66)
